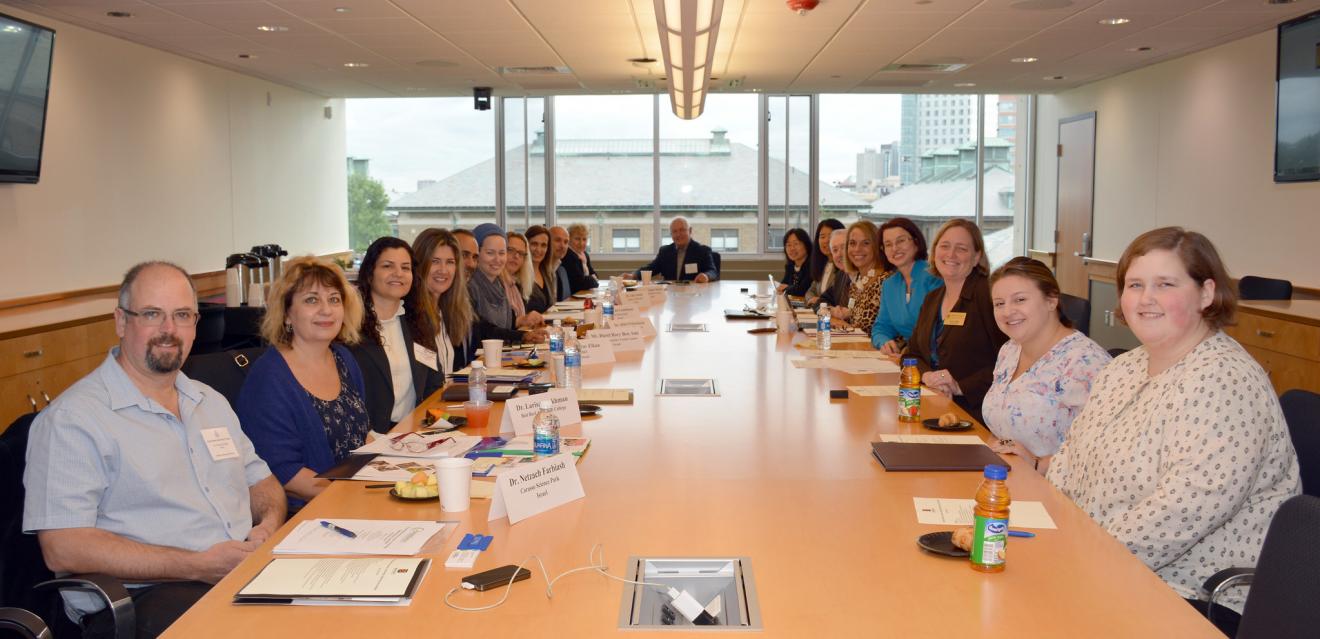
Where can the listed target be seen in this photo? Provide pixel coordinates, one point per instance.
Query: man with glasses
(141, 473)
(684, 259)
(559, 240)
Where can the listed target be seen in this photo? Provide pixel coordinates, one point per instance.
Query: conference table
(772, 469)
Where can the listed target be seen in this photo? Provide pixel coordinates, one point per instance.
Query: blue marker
(1021, 533)
(343, 531)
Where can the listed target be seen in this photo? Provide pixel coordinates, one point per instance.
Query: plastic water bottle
(909, 391)
(477, 382)
(545, 431)
(990, 530)
(572, 363)
(823, 322)
(607, 305)
(557, 352)
(557, 337)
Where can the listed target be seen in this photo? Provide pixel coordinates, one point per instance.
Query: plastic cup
(786, 321)
(477, 414)
(646, 277)
(454, 474)
(492, 352)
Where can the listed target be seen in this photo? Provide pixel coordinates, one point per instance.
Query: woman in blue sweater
(901, 297)
(303, 404)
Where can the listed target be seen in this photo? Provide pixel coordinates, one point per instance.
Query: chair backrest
(224, 371)
(210, 329)
(24, 623)
(1078, 310)
(1115, 352)
(1301, 409)
(21, 564)
(715, 255)
(1282, 601)
(1251, 287)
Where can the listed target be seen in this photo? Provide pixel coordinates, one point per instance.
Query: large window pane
(604, 169)
(1003, 175)
(433, 157)
(708, 173)
(789, 167)
(859, 153)
(524, 162)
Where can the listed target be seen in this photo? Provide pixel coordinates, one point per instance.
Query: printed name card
(625, 338)
(596, 351)
(648, 328)
(531, 489)
(623, 313)
(655, 293)
(634, 298)
(519, 411)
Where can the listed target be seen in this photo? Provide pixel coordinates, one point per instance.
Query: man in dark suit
(558, 249)
(685, 259)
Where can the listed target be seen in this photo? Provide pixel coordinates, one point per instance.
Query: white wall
(150, 155)
(1189, 142)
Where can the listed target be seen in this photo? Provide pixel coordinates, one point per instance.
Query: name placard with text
(627, 338)
(596, 351)
(531, 489)
(519, 411)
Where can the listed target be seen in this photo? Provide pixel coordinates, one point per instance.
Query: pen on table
(380, 486)
(1021, 533)
(343, 531)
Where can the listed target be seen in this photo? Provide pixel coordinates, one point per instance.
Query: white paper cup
(763, 287)
(454, 474)
(646, 277)
(492, 352)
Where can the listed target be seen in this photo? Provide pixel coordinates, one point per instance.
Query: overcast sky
(411, 139)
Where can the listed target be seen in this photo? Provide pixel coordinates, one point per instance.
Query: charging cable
(592, 565)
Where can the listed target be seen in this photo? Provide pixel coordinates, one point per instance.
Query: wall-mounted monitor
(25, 55)
(1297, 122)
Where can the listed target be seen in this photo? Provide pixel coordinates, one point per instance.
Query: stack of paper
(427, 446)
(374, 537)
(356, 581)
(885, 391)
(958, 512)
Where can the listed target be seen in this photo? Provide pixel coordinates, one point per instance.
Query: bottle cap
(545, 405)
(476, 363)
(995, 471)
(909, 361)
(559, 322)
(823, 306)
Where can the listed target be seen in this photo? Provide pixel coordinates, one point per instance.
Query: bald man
(559, 239)
(684, 260)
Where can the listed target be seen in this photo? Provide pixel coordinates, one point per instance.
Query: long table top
(772, 469)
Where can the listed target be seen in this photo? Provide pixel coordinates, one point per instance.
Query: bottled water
(823, 327)
(557, 337)
(572, 363)
(545, 431)
(557, 352)
(477, 382)
(607, 306)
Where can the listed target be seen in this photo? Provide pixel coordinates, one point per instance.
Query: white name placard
(519, 411)
(531, 489)
(634, 298)
(655, 293)
(596, 351)
(648, 328)
(623, 313)
(626, 338)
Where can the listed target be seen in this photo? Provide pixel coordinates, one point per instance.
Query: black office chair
(210, 329)
(243, 326)
(224, 371)
(23, 623)
(1115, 352)
(1301, 409)
(25, 581)
(715, 255)
(1251, 287)
(1285, 583)
(1078, 310)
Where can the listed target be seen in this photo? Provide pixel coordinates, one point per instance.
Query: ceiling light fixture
(687, 45)
(1141, 49)
(1053, 77)
(118, 14)
(272, 28)
(1280, 1)
(1112, 22)
(1024, 60)
(342, 10)
(246, 56)
(964, 85)
(356, 65)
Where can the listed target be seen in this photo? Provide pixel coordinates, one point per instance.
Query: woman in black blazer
(956, 340)
(797, 266)
(397, 354)
(577, 261)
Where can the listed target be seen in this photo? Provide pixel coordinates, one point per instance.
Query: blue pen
(343, 531)
(1021, 533)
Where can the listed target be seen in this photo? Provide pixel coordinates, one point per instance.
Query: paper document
(569, 305)
(931, 439)
(885, 391)
(849, 339)
(551, 316)
(385, 468)
(835, 333)
(374, 537)
(428, 446)
(347, 581)
(605, 395)
(848, 354)
(958, 512)
(848, 365)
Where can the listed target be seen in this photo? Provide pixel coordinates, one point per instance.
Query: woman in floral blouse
(862, 253)
(1181, 452)
(1043, 375)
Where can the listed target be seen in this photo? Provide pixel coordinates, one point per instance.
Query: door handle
(33, 402)
(1264, 333)
(1086, 246)
(45, 397)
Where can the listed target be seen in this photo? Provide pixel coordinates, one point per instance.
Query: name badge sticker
(955, 319)
(219, 443)
(690, 268)
(426, 357)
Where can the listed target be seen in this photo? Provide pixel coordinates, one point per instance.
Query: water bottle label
(556, 344)
(909, 402)
(989, 541)
(544, 443)
(573, 360)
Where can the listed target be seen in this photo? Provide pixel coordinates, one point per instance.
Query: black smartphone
(495, 577)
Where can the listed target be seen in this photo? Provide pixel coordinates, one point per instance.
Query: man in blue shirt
(138, 472)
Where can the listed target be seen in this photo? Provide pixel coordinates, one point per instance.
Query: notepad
(884, 391)
(605, 396)
(932, 439)
(374, 537)
(958, 512)
(897, 456)
(335, 581)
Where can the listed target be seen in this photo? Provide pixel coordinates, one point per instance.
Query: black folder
(348, 467)
(899, 456)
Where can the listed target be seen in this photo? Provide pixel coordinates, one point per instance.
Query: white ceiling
(446, 47)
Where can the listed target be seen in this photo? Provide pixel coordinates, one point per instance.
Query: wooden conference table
(772, 469)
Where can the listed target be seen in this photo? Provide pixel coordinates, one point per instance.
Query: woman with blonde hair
(440, 269)
(303, 403)
(519, 281)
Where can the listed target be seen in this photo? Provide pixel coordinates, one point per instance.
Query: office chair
(1251, 287)
(25, 581)
(715, 255)
(1285, 583)
(1078, 311)
(224, 371)
(210, 329)
(1301, 409)
(1115, 352)
(23, 623)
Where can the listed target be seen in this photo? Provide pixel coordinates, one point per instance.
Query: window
(724, 240)
(605, 166)
(627, 240)
(433, 159)
(788, 167)
(524, 162)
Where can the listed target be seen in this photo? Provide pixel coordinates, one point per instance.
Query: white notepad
(958, 512)
(374, 537)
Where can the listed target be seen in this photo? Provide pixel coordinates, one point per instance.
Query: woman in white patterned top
(1043, 375)
(1181, 453)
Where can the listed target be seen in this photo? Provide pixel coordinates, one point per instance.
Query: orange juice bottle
(990, 534)
(909, 391)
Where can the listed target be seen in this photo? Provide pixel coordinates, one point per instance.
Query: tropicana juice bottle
(990, 530)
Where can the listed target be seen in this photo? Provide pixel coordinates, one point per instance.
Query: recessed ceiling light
(356, 65)
(415, 89)
(1110, 22)
(247, 56)
(1041, 5)
(964, 85)
(642, 60)
(1280, 1)
(118, 14)
(343, 10)
(1052, 77)
(272, 28)
(1024, 60)
(1141, 49)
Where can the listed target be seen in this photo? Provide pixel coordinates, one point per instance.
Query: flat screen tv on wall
(25, 54)
(1297, 122)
